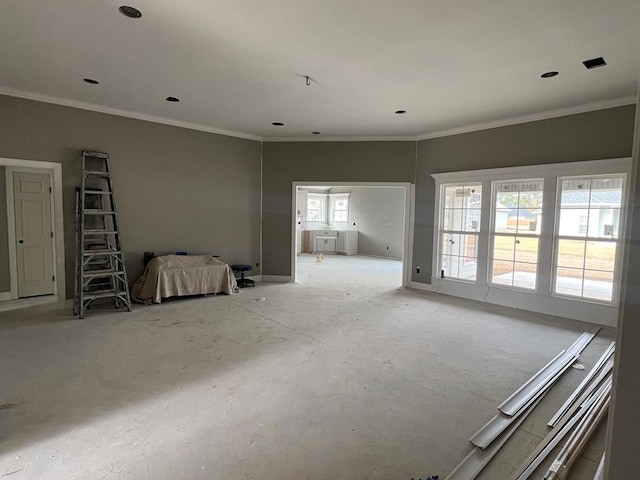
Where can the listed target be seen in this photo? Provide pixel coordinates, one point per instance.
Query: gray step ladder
(100, 269)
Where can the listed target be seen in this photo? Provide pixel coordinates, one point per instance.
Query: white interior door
(34, 247)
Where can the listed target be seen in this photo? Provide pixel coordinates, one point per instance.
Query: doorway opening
(31, 229)
(356, 231)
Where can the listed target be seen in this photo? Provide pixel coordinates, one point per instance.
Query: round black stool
(243, 282)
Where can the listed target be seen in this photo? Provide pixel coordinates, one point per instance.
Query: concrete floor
(341, 376)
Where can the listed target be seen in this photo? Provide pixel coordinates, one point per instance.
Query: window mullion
(546, 245)
(483, 235)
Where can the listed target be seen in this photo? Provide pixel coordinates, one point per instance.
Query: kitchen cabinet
(325, 241)
(326, 244)
(344, 242)
(347, 242)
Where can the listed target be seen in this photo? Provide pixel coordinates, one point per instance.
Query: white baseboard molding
(378, 256)
(4, 296)
(276, 278)
(420, 286)
(255, 278)
(592, 312)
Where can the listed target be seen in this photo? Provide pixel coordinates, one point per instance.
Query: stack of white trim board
(576, 420)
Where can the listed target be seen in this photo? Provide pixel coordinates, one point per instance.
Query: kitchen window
(339, 207)
(316, 207)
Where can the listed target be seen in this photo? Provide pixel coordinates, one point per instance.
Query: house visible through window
(517, 218)
(587, 241)
(568, 248)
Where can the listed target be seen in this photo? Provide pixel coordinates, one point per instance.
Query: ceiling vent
(594, 63)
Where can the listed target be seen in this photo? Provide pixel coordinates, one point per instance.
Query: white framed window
(517, 220)
(538, 237)
(339, 207)
(459, 229)
(316, 207)
(587, 244)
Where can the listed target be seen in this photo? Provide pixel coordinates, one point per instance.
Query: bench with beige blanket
(179, 275)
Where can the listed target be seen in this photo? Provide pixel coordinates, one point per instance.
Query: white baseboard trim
(420, 286)
(600, 314)
(378, 256)
(276, 278)
(255, 278)
(4, 296)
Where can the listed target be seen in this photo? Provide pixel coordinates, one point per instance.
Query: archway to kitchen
(351, 233)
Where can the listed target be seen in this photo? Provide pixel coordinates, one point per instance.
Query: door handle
(21, 241)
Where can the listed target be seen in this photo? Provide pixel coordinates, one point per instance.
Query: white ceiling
(238, 65)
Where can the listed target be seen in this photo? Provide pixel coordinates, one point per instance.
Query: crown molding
(12, 92)
(589, 107)
(561, 112)
(363, 138)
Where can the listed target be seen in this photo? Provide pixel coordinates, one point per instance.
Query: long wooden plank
(575, 444)
(477, 459)
(566, 420)
(556, 435)
(580, 388)
(532, 387)
(584, 339)
(488, 433)
(600, 472)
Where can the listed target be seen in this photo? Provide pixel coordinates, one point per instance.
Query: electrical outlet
(417, 269)
(257, 264)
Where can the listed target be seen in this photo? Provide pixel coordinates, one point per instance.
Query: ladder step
(105, 251)
(96, 211)
(99, 231)
(101, 273)
(89, 153)
(104, 294)
(96, 192)
(95, 173)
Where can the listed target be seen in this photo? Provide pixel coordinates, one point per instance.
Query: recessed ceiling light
(172, 99)
(594, 63)
(549, 74)
(316, 133)
(400, 112)
(91, 81)
(278, 124)
(130, 12)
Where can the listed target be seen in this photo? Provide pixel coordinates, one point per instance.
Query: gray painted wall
(5, 279)
(329, 162)
(379, 217)
(176, 189)
(622, 449)
(589, 136)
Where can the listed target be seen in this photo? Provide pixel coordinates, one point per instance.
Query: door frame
(409, 205)
(54, 170)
